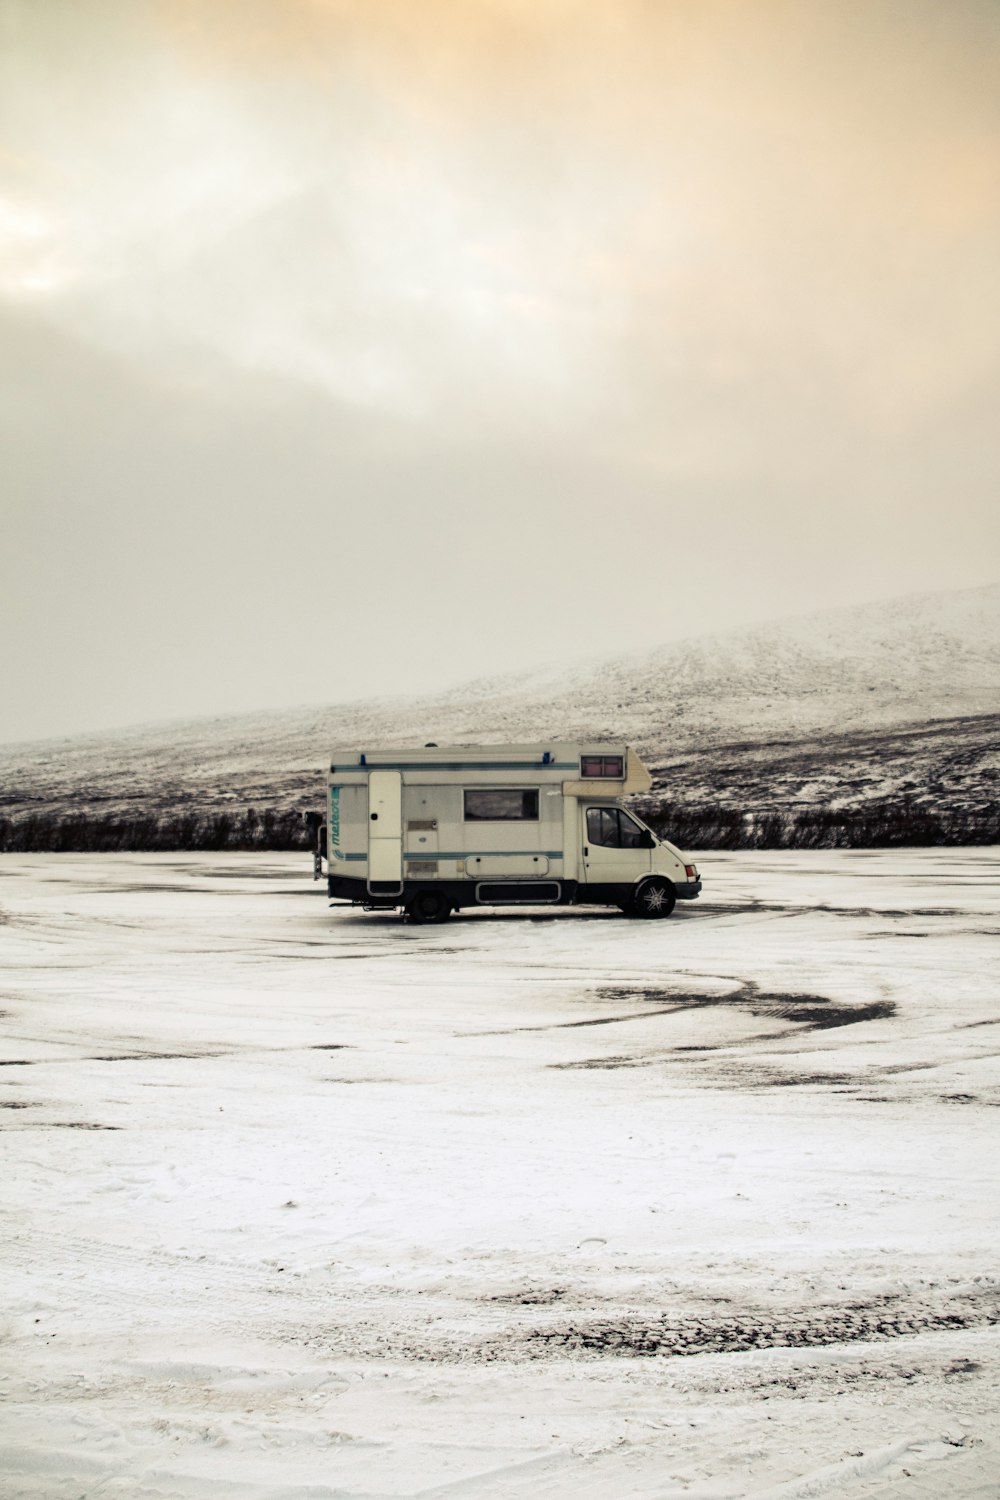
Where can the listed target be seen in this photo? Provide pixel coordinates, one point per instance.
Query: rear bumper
(688, 891)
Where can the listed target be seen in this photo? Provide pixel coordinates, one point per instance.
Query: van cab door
(616, 849)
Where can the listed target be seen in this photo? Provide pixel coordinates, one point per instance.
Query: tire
(428, 906)
(655, 897)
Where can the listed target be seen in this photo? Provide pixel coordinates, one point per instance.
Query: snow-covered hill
(902, 694)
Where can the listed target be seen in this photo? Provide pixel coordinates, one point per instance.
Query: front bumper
(688, 890)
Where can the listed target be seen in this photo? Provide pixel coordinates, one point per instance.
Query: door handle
(586, 851)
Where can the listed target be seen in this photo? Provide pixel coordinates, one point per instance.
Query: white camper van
(443, 827)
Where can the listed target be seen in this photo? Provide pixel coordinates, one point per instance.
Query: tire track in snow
(323, 1311)
(796, 1329)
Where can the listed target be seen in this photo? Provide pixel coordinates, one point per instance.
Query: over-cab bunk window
(500, 805)
(612, 766)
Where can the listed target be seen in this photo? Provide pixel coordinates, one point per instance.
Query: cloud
(525, 205)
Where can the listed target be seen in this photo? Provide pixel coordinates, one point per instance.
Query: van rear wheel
(428, 906)
(655, 897)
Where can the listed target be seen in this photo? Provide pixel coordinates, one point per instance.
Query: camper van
(450, 826)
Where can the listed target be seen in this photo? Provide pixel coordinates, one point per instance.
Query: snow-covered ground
(308, 1204)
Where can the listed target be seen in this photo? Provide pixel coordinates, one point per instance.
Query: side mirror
(647, 841)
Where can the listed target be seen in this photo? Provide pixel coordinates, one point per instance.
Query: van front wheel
(428, 906)
(654, 898)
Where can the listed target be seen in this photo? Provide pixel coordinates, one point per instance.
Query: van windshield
(612, 828)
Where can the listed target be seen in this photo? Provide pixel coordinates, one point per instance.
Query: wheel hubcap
(655, 899)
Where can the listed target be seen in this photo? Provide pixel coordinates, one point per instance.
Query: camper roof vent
(431, 745)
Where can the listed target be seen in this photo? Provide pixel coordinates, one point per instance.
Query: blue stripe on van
(467, 854)
(488, 854)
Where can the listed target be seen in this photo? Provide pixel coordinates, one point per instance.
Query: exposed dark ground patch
(678, 1002)
(747, 1076)
(75, 1125)
(809, 1011)
(153, 1056)
(814, 1012)
(633, 1015)
(917, 1067)
(631, 994)
(138, 1056)
(880, 936)
(330, 956)
(432, 952)
(899, 913)
(788, 909)
(837, 1081)
(301, 942)
(327, 1046)
(824, 1016)
(610, 1063)
(752, 1077)
(532, 1298)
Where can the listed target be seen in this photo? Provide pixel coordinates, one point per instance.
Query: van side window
(612, 828)
(500, 805)
(602, 765)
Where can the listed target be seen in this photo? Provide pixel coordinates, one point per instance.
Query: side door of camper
(385, 833)
(616, 849)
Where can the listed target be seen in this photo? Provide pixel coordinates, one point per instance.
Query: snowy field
(303, 1203)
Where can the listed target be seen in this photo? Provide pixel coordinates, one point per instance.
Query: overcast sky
(356, 348)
